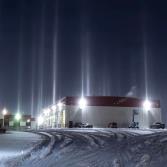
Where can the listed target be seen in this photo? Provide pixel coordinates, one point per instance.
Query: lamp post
(18, 118)
(4, 112)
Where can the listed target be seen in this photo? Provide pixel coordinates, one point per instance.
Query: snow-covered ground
(14, 145)
(97, 148)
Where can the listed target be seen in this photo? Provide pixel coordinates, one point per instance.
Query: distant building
(102, 110)
(25, 122)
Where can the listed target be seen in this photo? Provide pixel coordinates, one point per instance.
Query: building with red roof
(100, 111)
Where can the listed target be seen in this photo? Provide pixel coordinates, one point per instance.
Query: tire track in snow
(40, 152)
(103, 148)
(96, 142)
(81, 139)
(29, 153)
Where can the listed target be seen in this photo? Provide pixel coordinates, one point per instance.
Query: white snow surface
(16, 144)
(92, 148)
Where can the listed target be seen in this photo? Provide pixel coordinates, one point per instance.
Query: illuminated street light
(40, 120)
(82, 103)
(28, 120)
(4, 111)
(147, 105)
(18, 116)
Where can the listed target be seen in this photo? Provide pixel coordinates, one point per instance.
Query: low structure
(24, 122)
(102, 110)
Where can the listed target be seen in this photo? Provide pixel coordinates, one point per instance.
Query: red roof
(110, 101)
(23, 117)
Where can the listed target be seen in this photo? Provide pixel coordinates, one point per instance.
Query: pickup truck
(157, 125)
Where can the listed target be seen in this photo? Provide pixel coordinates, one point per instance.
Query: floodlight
(40, 120)
(46, 111)
(4, 111)
(28, 120)
(82, 103)
(60, 105)
(53, 107)
(18, 116)
(147, 105)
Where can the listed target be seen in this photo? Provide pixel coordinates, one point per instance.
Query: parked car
(82, 125)
(157, 125)
(112, 125)
(134, 125)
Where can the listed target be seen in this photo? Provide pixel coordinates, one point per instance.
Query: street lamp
(18, 116)
(4, 112)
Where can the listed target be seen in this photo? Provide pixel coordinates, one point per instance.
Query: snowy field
(16, 144)
(89, 148)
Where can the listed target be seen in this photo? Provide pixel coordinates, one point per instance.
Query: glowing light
(60, 105)
(28, 120)
(46, 111)
(40, 120)
(147, 105)
(18, 116)
(82, 103)
(53, 107)
(4, 111)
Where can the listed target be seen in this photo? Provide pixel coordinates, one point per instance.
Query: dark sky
(54, 48)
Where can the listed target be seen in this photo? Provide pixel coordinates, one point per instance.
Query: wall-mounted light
(147, 105)
(82, 103)
(53, 107)
(60, 105)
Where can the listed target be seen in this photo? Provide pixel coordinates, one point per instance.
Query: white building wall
(100, 116)
(33, 125)
(22, 123)
(11, 123)
(72, 113)
(147, 118)
(155, 115)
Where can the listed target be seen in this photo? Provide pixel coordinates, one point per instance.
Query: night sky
(55, 48)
